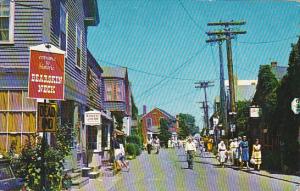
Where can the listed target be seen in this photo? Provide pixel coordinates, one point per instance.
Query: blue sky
(162, 42)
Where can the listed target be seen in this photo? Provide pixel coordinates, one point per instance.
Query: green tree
(135, 111)
(242, 117)
(286, 123)
(265, 95)
(186, 125)
(164, 133)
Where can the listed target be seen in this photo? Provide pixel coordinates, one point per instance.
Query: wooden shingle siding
(76, 76)
(28, 29)
(93, 89)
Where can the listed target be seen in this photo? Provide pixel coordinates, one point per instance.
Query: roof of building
(279, 71)
(93, 63)
(245, 92)
(167, 114)
(114, 72)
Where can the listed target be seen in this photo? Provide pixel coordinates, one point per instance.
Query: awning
(105, 115)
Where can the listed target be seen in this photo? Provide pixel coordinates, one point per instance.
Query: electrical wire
(178, 68)
(270, 41)
(190, 16)
(144, 72)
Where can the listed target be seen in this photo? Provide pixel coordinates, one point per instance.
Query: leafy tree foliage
(285, 121)
(186, 125)
(242, 117)
(135, 110)
(164, 134)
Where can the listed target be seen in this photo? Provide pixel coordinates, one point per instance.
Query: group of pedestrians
(153, 144)
(238, 152)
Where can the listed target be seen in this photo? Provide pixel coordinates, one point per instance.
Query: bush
(271, 160)
(130, 149)
(135, 139)
(137, 149)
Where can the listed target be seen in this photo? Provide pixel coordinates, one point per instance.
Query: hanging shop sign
(46, 72)
(255, 112)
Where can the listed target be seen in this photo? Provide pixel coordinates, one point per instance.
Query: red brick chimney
(273, 64)
(144, 109)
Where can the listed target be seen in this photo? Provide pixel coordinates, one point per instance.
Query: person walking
(230, 152)
(244, 150)
(149, 145)
(234, 147)
(190, 149)
(201, 147)
(157, 145)
(256, 155)
(222, 153)
(210, 144)
(239, 161)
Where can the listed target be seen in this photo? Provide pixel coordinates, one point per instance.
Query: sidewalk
(282, 177)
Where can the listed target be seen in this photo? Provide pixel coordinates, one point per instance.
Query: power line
(144, 72)
(178, 97)
(164, 79)
(190, 16)
(269, 42)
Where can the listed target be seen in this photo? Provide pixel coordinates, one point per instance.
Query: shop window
(3, 122)
(15, 100)
(14, 140)
(29, 122)
(104, 135)
(92, 138)
(3, 143)
(3, 100)
(28, 104)
(14, 122)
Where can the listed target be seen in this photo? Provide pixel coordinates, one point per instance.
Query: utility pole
(228, 33)
(204, 85)
(203, 106)
(223, 102)
(219, 36)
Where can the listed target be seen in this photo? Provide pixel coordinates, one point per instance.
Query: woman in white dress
(222, 152)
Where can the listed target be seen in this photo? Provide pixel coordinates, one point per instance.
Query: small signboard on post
(47, 114)
(255, 112)
(295, 106)
(92, 118)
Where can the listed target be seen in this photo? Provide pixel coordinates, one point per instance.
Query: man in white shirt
(190, 149)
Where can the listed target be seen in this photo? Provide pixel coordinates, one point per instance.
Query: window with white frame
(78, 47)
(6, 21)
(63, 28)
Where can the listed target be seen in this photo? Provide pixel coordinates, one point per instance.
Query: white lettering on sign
(46, 79)
(46, 89)
(92, 118)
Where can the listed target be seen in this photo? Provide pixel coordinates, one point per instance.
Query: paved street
(167, 171)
